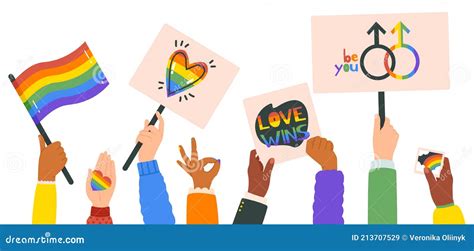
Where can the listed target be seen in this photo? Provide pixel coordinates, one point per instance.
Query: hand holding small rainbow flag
(44, 87)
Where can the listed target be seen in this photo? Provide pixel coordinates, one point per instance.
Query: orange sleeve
(202, 208)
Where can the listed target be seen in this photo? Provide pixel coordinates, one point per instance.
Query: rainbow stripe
(72, 79)
(180, 76)
(415, 69)
(99, 182)
(431, 160)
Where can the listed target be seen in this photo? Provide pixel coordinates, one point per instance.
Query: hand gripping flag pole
(47, 86)
(47, 141)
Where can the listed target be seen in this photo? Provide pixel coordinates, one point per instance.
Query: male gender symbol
(376, 28)
(400, 28)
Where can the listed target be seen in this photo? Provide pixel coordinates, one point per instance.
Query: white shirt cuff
(46, 182)
(256, 198)
(379, 163)
(201, 190)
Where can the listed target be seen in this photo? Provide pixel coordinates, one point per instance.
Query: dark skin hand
(259, 178)
(51, 161)
(441, 188)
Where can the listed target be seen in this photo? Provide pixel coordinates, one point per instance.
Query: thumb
(430, 178)
(147, 122)
(269, 167)
(41, 142)
(215, 168)
(376, 123)
(253, 156)
(446, 171)
(88, 182)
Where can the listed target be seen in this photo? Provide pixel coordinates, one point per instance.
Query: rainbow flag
(73, 79)
(431, 160)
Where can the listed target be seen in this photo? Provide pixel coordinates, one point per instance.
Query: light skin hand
(384, 140)
(195, 166)
(51, 161)
(441, 188)
(151, 138)
(321, 150)
(259, 178)
(107, 167)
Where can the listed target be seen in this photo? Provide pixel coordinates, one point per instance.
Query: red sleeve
(100, 215)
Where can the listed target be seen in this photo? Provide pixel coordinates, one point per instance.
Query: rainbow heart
(180, 75)
(100, 182)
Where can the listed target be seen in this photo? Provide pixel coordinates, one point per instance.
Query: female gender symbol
(400, 28)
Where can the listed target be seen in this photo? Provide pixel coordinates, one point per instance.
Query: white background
(271, 43)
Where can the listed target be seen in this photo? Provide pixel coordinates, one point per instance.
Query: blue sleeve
(328, 198)
(154, 200)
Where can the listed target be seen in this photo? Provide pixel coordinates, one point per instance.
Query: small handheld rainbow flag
(431, 160)
(75, 78)
(44, 87)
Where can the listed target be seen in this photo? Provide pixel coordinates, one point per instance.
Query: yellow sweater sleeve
(44, 208)
(448, 215)
(202, 209)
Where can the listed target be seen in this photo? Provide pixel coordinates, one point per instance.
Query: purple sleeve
(328, 198)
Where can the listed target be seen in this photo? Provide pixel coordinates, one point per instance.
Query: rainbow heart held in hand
(100, 182)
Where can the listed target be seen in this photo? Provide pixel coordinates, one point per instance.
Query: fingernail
(219, 160)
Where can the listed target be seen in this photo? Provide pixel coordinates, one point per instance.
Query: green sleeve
(382, 208)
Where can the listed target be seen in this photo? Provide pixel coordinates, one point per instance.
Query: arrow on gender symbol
(400, 28)
(376, 28)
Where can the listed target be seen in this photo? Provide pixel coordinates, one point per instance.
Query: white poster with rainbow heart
(184, 76)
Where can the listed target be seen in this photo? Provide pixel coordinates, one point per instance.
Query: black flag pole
(382, 108)
(137, 147)
(47, 141)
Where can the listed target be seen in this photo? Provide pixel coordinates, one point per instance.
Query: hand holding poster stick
(137, 147)
(385, 139)
(171, 73)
